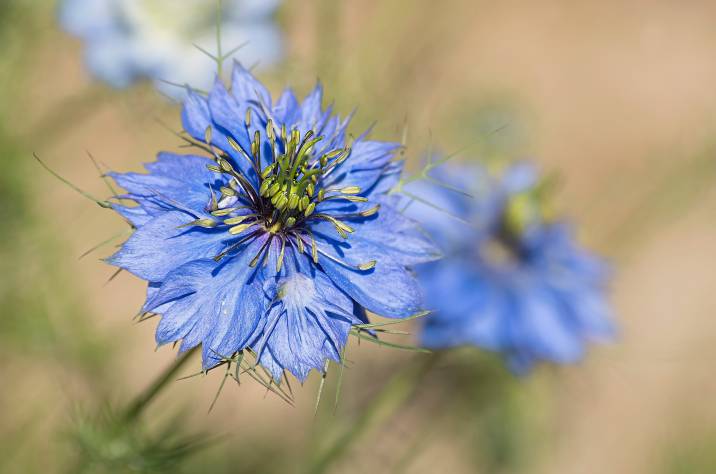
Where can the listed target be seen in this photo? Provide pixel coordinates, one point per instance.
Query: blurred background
(617, 98)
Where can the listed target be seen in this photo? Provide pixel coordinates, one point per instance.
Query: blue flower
(513, 279)
(278, 242)
(127, 40)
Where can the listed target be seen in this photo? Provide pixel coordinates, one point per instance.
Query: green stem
(398, 390)
(134, 409)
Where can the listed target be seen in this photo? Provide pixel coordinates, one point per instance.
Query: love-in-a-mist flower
(513, 279)
(279, 239)
(127, 40)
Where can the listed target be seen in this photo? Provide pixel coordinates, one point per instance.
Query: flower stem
(135, 408)
(394, 394)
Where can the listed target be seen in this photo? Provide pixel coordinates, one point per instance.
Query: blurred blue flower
(513, 279)
(281, 241)
(127, 40)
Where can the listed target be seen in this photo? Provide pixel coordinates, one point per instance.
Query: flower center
(281, 197)
(521, 212)
(290, 185)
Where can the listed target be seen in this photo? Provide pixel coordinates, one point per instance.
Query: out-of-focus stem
(394, 394)
(135, 408)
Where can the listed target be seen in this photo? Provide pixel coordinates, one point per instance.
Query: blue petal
(182, 179)
(228, 116)
(388, 179)
(519, 177)
(160, 246)
(544, 329)
(217, 305)
(311, 112)
(189, 169)
(246, 88)
(592, 316)
(389, 289)
(287, 110)
(389, 234)
(367, 163)
(136, 215)
(398, 236)
(222, 114)
(470, 310)
(195, 115)
(308, 325)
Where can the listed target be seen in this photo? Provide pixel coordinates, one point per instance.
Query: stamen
(214, 204)
(235, 245)
(314, 247)
(268, 170)
(238, 219)
(255, 260)
(351, 190)
(292, 201)
(360, 267)
(279, 263)
(347, 198)
(227, 191)
(240, 228)
(205, 223)
(342, 228)
(299, 243)
(227, 211)
(234, 144)
(367, 213)
(303, 203)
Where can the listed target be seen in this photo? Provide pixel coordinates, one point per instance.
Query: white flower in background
(128, 40)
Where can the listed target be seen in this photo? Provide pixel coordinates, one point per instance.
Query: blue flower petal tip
(278, 239)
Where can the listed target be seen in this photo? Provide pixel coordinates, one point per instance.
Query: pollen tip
(368, 265)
